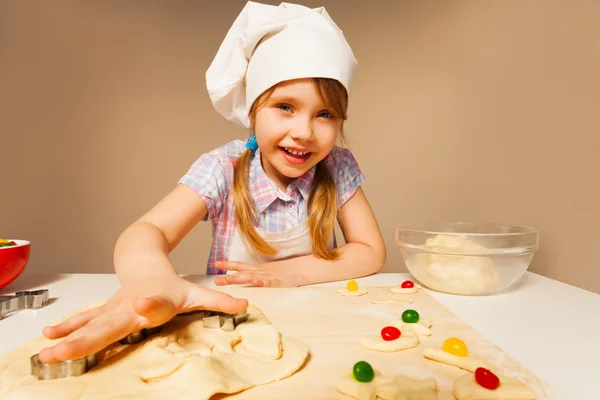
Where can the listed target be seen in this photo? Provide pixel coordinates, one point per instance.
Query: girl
(283, 72)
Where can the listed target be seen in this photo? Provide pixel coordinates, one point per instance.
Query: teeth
(296, 153)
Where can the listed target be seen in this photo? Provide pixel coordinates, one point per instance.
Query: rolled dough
(184, 360)
(391, 301)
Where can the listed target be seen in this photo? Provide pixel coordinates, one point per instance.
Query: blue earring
(251, 143)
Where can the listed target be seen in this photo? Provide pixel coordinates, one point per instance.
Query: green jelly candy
(363, 372)
(410, 316)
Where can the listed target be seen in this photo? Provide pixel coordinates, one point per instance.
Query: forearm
(142, 253)
(356, 260)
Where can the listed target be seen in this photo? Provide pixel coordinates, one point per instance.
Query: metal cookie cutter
(62, 369)
(226, 322)
(80, 366)
(139, 336)
(22, 301)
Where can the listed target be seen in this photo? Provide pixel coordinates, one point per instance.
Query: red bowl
(13, 260)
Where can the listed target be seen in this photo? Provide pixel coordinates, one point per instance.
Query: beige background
(463, 110)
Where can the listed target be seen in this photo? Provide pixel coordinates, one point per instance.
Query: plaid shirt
(211, 176)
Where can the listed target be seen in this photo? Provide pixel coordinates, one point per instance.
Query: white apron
(289, 244)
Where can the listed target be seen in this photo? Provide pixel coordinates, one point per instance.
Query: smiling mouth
(294, 153)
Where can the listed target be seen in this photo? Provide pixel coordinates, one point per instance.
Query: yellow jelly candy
(456, 346)
(352, 286)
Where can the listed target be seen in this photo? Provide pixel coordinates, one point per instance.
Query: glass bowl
(467, 258)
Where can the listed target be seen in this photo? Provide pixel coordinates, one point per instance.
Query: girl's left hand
(264, 275)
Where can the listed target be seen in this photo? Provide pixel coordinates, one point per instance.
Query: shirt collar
(304, 182)
(263, 189)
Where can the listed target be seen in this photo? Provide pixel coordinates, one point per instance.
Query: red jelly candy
(408, 284)
(390, 333)
(486, 378)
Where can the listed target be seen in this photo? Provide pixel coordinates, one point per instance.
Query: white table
(550, 327)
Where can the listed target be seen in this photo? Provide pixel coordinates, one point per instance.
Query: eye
(284, 107)
(325, 114)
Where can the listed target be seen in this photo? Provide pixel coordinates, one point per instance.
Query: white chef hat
(269, 44)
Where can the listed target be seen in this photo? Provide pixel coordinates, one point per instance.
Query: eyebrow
(284, 99)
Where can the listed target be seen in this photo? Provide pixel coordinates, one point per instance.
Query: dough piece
(391, 301)
(466, 388)
(361, 390)
(469, 362)
(455, 273)
(260, 341)
(407, 340)
(400, 290)
(345, 292)
(184, 361)
(405, 388)
(420, 328)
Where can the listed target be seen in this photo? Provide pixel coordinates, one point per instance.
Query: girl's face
(294, 131)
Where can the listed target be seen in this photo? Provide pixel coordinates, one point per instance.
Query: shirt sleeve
(211, 176)
(345, 172)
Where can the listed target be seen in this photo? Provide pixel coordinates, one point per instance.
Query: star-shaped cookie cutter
(80, 366)
(226, 322)
(22, 301)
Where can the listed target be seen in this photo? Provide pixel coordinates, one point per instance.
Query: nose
(302, 131)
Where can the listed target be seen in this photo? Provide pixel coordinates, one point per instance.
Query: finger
(234, 266)
(239, 279)
(47, 355)
(258, 282)
(268, 283)
(207, 299)
(88, 340)
(72, 324)
(221, 281)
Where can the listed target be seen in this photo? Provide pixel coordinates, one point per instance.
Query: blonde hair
(322, 203)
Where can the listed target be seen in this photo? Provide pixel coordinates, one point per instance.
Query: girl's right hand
(129, 310)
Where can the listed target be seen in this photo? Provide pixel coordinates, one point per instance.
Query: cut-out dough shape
(184, 360)
(407, 340)
(405, 388)
(466, 388)
(468, 363)
(345, 292)
(261, 341)
(420, 328)
(400, 290)
(361, 390)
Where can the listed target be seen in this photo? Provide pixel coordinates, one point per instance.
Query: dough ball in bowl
(467, 258)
